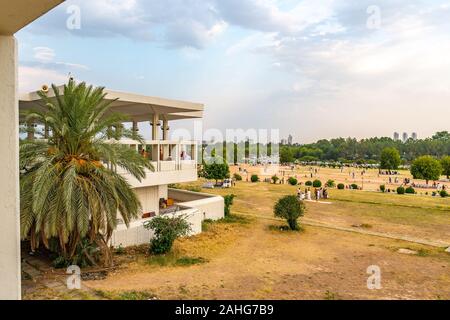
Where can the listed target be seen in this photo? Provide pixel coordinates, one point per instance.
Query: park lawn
(256, 260)
(415, 216)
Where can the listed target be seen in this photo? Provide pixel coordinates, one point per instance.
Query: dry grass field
(251, 258)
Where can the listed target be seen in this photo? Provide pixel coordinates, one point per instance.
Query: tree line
(366, 150)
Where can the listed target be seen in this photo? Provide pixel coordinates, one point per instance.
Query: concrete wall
(149, 198)
(162, 178)
(136, 234)
(210, 206)
(10, 274)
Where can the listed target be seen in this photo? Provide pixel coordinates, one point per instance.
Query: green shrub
(331, 184)
(291, 209)
(354, 186)
(228, 200)
(410, 190)
(383, 188)
(254, 178)
(341, 186)
(308, 183)
(401, 190)
(237, 177)
(444, 194)
(167, 230)
(317, 184)
(275, 179)
(293, 181)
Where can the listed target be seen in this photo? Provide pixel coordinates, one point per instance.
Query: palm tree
(70, 190)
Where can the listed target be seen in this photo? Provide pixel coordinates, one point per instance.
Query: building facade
(173, 162)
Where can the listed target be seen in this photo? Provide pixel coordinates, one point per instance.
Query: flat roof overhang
(136, 107)
(16, 14)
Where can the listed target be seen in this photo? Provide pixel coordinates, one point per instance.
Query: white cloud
(33, 78)
(44, 54)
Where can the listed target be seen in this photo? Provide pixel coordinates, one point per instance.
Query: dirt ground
(370, 180)
(257, 261)
(251, 258)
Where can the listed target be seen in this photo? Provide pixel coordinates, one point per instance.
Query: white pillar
(155, 133)
(165, 130)
(10, 271)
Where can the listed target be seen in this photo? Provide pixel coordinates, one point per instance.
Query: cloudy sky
(312, 68)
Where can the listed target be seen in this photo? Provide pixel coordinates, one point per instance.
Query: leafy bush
(444, 194)
(331, 184)
(291, 209)
(228, 200)
(275, 179)
(237, 177)
(341, 186)
(167, 230)
(254, 178)
(292, 181)
(308, 183)
(410, 190)
(354, 186)
(383, 188)
(317, 184)
(401, 190)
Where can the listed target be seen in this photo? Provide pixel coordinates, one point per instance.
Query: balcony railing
(167, 156)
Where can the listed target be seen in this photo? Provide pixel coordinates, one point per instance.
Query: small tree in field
(217, 171)
(275, 179)
(290, 208)
(254, 178)
(426, 168)
(445, 162)
(390, 159)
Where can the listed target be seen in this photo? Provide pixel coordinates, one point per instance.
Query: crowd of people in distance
(319, 193)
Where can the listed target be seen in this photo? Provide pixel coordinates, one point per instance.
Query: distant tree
(317, 184)
(426, 168)
(401, 190)
(254, 178)
(331, 184)
(216, 171)
(390, 159)
(237, 177)
(286, 155)
(275, 179)
(444, 135)
(290, 208)
(292, 181)
(445, 163)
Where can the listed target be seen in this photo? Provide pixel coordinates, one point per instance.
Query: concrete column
(46, 132)
(155, 122)
(135, 127)
(165, 130)
(30, 130)
(10, 271)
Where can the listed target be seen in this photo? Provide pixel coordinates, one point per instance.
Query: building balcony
(173, 162)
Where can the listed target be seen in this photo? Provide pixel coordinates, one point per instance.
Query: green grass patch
(126, 295)
(173, 260)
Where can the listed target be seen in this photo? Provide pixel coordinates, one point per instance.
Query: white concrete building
(14, 15)
(170, 167)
